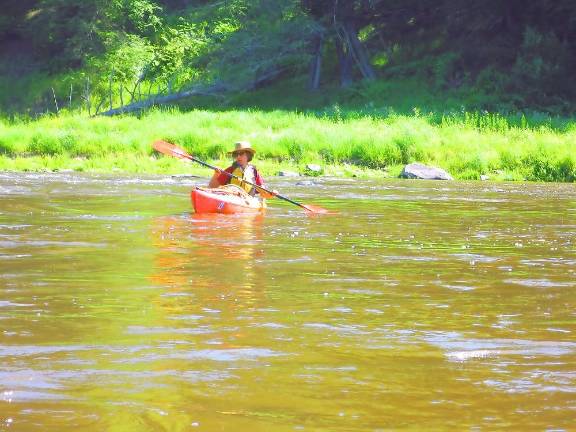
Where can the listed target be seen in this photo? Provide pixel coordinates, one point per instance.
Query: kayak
(228, 199)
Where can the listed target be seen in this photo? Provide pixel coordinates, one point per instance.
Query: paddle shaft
(201, 162)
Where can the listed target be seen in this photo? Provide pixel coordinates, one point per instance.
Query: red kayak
(227, 199)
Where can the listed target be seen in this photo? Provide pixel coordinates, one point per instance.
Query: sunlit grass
(468, 145)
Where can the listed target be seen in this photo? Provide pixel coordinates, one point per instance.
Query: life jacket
(249, 174)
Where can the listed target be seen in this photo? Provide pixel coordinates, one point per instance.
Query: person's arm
(260, 182)
(220, 178)
(214, 183)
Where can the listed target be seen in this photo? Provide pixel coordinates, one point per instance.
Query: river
(416, 305)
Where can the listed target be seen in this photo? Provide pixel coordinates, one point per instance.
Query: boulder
(420, 171)
(313, 170)
(314, 167)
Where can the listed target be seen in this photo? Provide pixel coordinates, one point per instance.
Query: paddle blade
(170, 149)
(315, 209)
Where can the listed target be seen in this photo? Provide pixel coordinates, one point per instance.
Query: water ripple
(469, 349)
(223, 355)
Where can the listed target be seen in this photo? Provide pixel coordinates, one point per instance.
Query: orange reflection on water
(208, 253)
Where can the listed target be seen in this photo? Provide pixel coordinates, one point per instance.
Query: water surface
(418, 305)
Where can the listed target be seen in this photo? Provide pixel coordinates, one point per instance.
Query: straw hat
(242, 146)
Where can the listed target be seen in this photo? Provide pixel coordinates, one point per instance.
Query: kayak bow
(229, 199)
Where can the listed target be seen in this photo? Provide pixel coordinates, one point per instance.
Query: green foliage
(45, 145)
(141, 16)
(5, 24)
(467, 147)
(128, 60)
(541, 67)
(492, 81)
(7, 144)
(446, 71)
(63, 33)
(493, 55)
(549, 163)
(173, 60)
(244, 59)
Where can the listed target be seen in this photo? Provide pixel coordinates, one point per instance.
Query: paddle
(173, 150)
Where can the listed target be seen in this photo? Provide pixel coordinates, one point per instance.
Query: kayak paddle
(178, 152)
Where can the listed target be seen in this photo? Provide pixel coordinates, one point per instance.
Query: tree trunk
(55, 100)
(359, 52)
(110, 82)
(214, 90)
(316, 62)
(87, 96)
(350, 37)
(344, 62)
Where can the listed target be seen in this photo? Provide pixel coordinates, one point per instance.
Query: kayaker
(243, 169)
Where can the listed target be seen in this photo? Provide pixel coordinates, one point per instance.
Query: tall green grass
(467, 144)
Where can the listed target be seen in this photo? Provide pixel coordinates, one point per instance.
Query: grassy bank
(344, 142)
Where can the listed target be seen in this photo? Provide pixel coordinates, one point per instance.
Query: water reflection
(207, 266)
(208, 251)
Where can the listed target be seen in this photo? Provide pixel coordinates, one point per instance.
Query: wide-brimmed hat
(242, 146)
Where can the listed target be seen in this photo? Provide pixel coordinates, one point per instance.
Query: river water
(416, 305)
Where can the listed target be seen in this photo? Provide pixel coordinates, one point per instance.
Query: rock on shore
(420, 171)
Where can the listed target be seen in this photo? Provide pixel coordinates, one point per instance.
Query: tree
(66, 33)
(341, 22)
(253, 42)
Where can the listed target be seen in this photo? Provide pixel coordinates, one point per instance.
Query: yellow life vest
(248, 174)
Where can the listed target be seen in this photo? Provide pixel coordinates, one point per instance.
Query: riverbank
(343, 143)
(135, 164)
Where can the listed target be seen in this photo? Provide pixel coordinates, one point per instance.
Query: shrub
(45, 144)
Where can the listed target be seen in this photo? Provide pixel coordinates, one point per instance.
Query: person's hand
(265, 193)
(271, 194)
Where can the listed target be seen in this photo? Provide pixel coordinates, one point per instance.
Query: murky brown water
(419, 306)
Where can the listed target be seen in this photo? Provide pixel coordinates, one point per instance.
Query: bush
(546, 168)
(542, 71)
(6, 146)
(43, 145)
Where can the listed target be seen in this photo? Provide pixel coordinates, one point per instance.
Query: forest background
(480, 88)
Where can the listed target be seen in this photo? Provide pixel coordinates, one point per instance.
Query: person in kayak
(243, 169)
